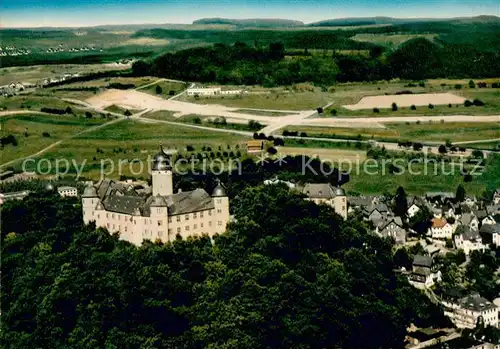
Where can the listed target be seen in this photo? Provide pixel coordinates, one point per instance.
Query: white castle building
(159, 215)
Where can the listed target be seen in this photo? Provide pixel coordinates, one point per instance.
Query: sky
(68, 13)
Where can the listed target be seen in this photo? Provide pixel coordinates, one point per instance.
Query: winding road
(273, 124)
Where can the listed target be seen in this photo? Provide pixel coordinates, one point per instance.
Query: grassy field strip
(223, 130)
(480, 141)
(44, 150)
(324, 154)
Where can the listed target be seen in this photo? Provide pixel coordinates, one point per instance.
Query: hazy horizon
(74, 13)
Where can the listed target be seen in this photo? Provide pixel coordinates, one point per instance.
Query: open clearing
(132, 99)
(36, 73)
(269, 99)
(406, 100)
(127, 140)
(390, 39)
(58, 127)
(145, 42)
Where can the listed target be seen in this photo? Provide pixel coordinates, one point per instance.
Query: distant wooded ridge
(349, 21)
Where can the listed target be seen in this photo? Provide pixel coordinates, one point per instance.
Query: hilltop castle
(159, 215)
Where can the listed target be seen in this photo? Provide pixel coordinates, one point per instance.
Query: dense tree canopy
(287, 273)
(240, 63)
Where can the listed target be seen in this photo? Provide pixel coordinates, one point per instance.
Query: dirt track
(371, 102)
(133, 99)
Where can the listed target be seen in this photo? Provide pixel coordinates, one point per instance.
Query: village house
(467, 312)
(496, 197)
(274, 181)
(324, 193)
(423, 275)
(413, 210)
(255, 146)
(392, 227)
(490, 234)
(15, 195)
(160, 215)
(469, 220)
(490, 219)
(440, 229)
(66, 191)
(469, 240)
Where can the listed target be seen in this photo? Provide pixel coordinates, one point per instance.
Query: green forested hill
(287, 274)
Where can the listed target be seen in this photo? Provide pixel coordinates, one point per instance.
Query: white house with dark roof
(496, 197)
(469, 240)
(466, 312)
(423, 275)
(159, 215)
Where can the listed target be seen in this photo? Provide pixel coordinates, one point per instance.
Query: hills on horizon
(286, 23)
(348, 21)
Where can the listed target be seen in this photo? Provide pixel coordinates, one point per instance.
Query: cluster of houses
(63, 191)
(61, 48)
(57, 79)
(469, 225)
(15, 87)
(13, 51)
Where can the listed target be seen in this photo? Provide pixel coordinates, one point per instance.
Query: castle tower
(161, 173)
(221, 208)
(340, 202)
(89, 203)
(159, 218)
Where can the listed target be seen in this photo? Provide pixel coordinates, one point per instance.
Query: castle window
(98, 216)
(209, 224)
(107, 225)
(210, 212)
(201, 214)
(125, 228)
(201, 224)
(169, 231)
(219, 210)
(186, 217)
(194, 215)
(179, 230)
(113, 216)
(219, 222)
(159, 223)
(219, 201)
(107, 215)
(170, 219)
(195, 226)
(160, 234)
(186, 228)
(178, 218)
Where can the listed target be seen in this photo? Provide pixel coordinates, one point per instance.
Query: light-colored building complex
(160, 215)
(67, 191)
(324, 193)
(466, 312)
(210, 91)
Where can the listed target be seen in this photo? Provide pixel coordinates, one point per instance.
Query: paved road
(479, 141)
(359, 121)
